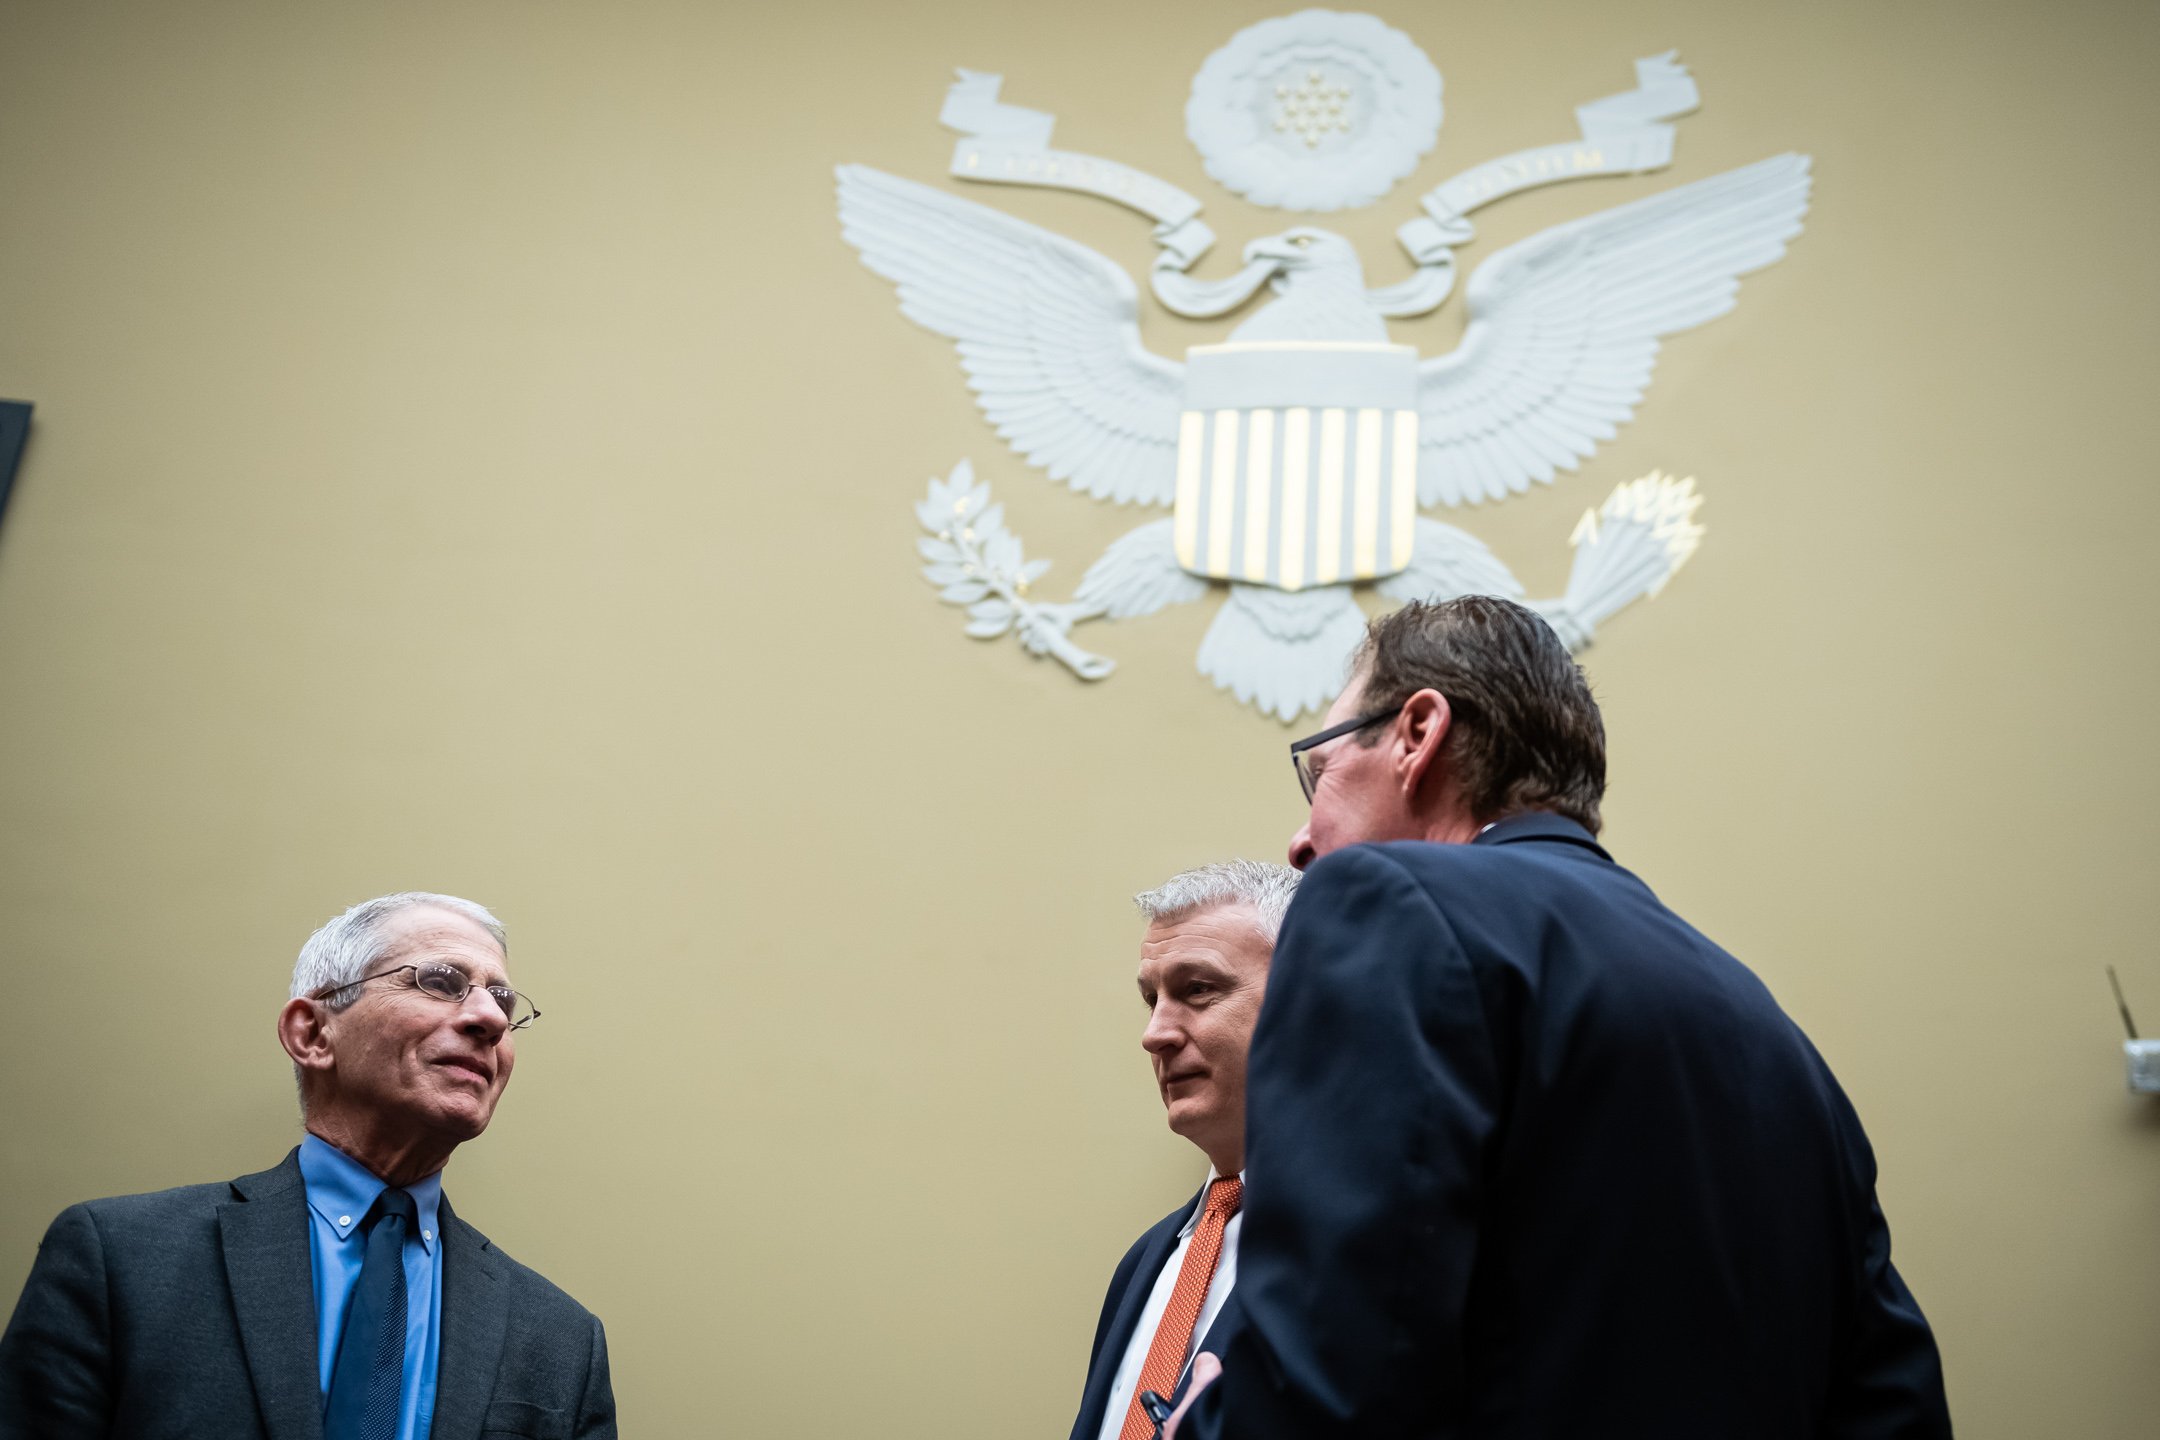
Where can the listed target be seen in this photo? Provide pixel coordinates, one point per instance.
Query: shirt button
(427, 1234)
(344, 1219)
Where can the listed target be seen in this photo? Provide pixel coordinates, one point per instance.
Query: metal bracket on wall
(2142, 1055)
(14, 429)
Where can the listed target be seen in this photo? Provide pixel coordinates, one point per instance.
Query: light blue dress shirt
(339, 1192)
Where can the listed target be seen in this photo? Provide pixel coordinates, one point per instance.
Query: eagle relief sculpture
(1295, 457)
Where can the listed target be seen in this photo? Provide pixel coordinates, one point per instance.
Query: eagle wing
(1048, 332)
(1564, 326)
(1446, 562)
(1138, 575)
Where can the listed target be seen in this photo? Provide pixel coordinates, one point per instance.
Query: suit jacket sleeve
(1119, 1279)
(1891, 1387)
(596, 1409)
(55, 1359)
(1372, 1094)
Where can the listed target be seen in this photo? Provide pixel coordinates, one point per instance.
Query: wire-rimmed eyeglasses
(1301, 750)
(447, 982)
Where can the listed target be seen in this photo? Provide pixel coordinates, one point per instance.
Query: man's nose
(1302, 853)
(1163, 1034)
(481, 1016)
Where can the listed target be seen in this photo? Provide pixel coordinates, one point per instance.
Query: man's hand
(1205, 1367)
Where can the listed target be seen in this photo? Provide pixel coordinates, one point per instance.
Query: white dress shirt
(1143, 1335)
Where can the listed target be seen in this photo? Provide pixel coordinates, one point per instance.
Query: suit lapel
(1160, 1242)
(475, 1320)
(264, 1233)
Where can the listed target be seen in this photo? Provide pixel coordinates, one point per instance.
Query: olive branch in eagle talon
(975, 561)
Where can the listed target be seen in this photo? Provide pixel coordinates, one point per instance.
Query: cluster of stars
(1312, 109)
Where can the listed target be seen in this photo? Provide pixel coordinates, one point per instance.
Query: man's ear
(1420, 730)
(303, 1030)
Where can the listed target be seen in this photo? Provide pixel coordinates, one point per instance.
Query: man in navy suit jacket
(1531, 1156)
(1203, 971)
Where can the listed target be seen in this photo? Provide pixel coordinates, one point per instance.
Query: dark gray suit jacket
(191, 1312)
(1130, 1285)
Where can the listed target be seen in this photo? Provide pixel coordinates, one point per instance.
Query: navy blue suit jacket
(1528, 1156)
(1130, 1286)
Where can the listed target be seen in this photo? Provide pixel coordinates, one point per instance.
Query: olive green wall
(467, 457)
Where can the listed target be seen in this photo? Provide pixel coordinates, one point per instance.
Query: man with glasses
(336, 1295)
(1531, 1156)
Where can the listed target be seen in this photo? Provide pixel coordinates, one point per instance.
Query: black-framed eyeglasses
(447, 982)
(1301, 750)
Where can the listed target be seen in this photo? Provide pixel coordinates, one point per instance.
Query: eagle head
(1319, 287)
(1307, 249)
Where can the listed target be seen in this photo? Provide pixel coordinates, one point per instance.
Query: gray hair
(342, 951)
(1266, 889)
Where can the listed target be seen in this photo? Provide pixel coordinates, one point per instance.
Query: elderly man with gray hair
(1203, 971)
(335, 1295)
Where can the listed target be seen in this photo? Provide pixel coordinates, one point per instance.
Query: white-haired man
(336, 1296)
(1203, 971)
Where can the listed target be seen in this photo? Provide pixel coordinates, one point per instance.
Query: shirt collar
(1200, 1206)
(340, 1189)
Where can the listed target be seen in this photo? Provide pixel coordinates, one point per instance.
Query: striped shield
(1297, 462)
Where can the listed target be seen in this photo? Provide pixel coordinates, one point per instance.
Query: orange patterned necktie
(1173, 1337)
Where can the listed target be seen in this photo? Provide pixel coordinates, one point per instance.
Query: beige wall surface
(467, 457)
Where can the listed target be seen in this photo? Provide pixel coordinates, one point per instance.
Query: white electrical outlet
(2144, 1058)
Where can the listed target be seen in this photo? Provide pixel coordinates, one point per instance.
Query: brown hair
(1525, 732)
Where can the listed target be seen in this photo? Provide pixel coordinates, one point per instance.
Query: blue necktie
(367, 1385)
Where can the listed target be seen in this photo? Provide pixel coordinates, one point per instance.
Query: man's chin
(461, 1117)
(1187, 1119)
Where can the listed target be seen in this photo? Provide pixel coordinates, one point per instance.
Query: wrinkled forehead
(1230, 933)
(427, 934)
